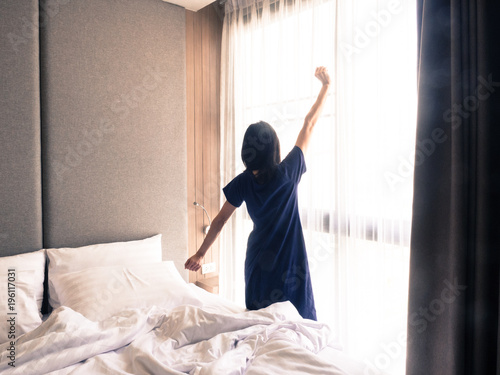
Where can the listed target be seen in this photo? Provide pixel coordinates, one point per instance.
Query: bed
(118, 308)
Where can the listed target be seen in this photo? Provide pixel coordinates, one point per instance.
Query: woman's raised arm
(313, 115)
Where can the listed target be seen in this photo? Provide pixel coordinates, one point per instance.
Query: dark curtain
(453, 320)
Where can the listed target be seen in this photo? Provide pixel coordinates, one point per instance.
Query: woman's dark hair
(261, 151)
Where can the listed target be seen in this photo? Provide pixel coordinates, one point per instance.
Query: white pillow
(34, 261)
(101, 292)
(64, 260)
(18, 304)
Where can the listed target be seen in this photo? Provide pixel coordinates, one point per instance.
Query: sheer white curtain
(355, 199)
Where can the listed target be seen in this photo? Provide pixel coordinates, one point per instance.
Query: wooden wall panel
(203, 49)
(190, 134)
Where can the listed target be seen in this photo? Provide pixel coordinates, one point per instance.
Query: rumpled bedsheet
(184, 340)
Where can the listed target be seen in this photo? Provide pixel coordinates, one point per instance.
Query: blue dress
(276, 267)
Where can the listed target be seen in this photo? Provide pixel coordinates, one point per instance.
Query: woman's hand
(322, 74)
(193, 263)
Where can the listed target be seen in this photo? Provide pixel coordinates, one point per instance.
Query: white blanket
(186, 339)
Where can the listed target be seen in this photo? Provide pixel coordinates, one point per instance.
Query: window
(355, 199)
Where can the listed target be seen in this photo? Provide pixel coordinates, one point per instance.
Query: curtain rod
(245, 5)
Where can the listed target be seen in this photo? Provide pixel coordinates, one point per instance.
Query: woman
(276, 267)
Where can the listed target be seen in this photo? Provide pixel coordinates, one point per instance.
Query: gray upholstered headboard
(20, 163)
(93, 131)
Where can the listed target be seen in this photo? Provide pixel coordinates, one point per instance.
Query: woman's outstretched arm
(313, 115)
(194, 263)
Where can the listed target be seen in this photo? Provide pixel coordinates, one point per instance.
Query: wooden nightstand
(210, 284)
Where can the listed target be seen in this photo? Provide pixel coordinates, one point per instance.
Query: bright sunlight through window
(356, 196)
